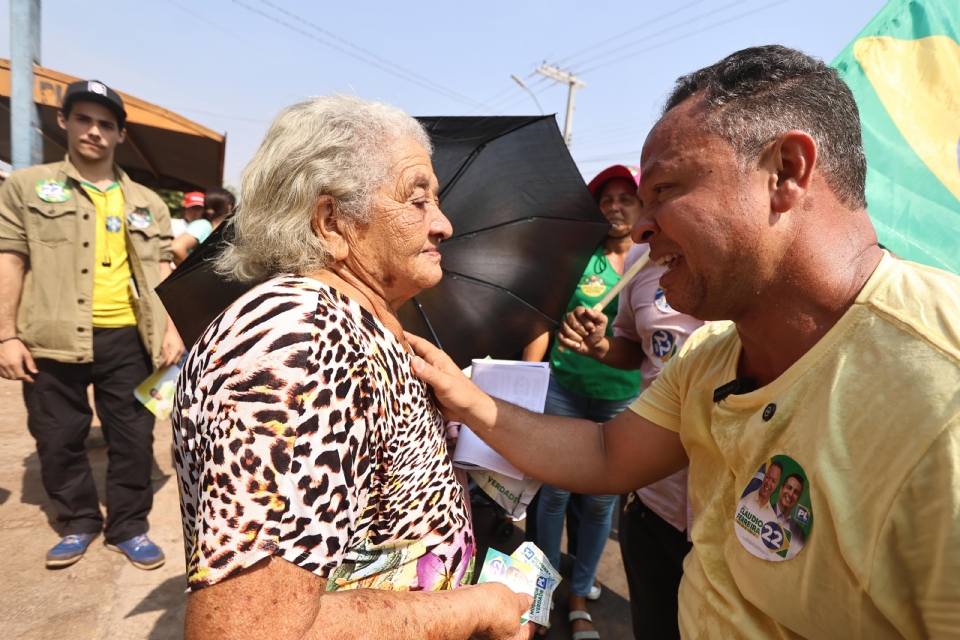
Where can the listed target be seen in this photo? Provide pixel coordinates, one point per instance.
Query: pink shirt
(645, 317)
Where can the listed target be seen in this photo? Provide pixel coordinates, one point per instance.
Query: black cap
(95, 91)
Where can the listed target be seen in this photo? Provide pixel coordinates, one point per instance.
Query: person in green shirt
(581, 387)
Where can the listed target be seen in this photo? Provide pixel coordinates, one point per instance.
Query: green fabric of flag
(904, 70)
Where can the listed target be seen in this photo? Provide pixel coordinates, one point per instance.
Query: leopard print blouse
(301, 432)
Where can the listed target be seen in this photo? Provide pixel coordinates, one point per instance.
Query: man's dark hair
(760, 93)
(799, 479)
(775, 463)
(220, 200)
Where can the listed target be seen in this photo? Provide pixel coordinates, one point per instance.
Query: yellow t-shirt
(112, 303)
(861, 437)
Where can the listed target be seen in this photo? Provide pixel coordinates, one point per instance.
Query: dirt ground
(104, 597)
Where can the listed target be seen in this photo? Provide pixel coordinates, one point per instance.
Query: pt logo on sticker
(774, 517)
(53, 191)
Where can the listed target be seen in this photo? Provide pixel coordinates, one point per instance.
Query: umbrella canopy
(163, 150)
(525, 227)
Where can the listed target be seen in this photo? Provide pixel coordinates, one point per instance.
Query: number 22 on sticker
(772, 536)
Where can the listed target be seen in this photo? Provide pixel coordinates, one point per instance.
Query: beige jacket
(55, 317)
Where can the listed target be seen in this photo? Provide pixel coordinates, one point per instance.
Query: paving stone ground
(104, 597)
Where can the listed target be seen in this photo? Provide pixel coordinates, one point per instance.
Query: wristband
(9, 339)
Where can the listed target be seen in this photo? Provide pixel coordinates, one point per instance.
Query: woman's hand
(458, 398)
(583, 332)
(500, 613)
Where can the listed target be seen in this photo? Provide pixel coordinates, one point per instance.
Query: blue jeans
(597, 510)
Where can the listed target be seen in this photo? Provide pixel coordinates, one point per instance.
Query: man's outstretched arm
(624, 454)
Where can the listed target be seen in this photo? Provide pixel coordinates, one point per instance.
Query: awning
(162, 149)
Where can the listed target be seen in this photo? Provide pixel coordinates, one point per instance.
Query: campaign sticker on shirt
(660, 301)
(663, 344)
(139, 218)
(774, 516)
(114, 224)
(593, 286)
(53, 191)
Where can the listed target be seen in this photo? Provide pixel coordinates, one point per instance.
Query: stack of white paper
(521, 383)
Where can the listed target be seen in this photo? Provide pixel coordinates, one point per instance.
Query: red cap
(631, 172)
(192, 199)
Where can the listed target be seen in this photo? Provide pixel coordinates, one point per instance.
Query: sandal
(544, 629)
(583, 635)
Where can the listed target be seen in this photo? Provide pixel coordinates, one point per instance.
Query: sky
(231, 65)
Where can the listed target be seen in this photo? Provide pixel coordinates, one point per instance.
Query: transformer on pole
(554, 73)
(26, 139)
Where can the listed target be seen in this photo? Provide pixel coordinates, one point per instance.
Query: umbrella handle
(617, 288)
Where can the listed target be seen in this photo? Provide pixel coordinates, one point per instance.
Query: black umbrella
(194, 295)
(525, 226)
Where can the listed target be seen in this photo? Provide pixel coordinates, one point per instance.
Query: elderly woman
(317, 492)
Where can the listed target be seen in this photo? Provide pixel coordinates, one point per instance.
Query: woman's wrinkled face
(398, 248)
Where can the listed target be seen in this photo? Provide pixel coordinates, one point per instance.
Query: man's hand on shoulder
(16, 362)
(583, 332)
(458, 398)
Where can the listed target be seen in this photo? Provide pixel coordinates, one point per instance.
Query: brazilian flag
(904, 70)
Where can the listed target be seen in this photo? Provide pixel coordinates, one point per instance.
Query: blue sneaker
(69, 550)
(140, 551)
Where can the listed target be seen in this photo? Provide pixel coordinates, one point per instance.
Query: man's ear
(792, 158)
(123, 135)
(328, 226)
(62, 120)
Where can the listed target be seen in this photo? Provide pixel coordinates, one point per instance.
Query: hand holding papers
(528, 571)
(524, 384)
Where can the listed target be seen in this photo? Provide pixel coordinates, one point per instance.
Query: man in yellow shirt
(82, 247)
(834, 359)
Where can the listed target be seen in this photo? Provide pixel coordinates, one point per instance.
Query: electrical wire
(670, 29)
(403, 76)
(367, 52)
(513, 97)
(630, 31)
(684, 36)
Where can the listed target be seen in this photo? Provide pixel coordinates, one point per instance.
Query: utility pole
(554, 73)
(26, 139)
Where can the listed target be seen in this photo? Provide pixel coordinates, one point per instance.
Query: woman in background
(583, 388)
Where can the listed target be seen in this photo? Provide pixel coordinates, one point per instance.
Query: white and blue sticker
(664, 344)
(660, 301)
(139, 218)
(53, 191)
(114, 224)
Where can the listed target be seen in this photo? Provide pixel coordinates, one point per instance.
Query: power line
(219, 115)
(213, 24)
(620, 49)
(367, 52)
(406, 75)
(686, 35)
(629, 31)
(513, 98)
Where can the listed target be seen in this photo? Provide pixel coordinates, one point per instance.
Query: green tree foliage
(173, 200)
